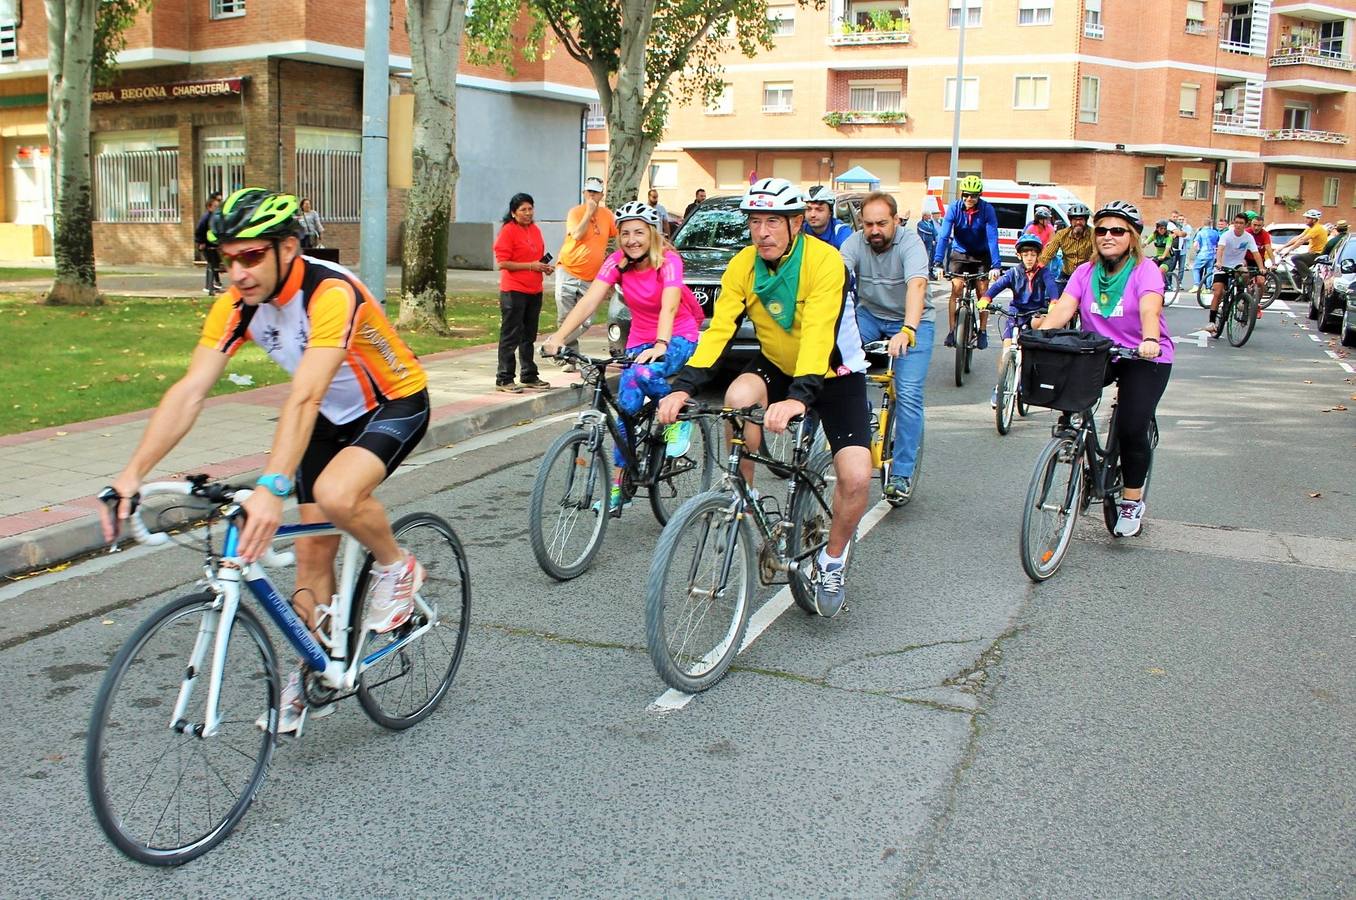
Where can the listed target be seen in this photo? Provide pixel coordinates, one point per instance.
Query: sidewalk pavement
(47, 508)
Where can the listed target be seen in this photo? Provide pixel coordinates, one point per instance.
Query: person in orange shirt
(588, 229)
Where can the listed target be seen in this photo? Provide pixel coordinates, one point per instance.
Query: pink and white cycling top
(642, 291)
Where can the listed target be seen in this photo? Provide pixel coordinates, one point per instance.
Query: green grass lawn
(69, 364)
(24, 273)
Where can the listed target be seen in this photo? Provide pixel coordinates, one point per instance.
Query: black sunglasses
(1113, 230)
(970, 196)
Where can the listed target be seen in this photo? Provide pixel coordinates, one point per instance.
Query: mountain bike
(967, 323)
(1237, 315)
(1072, 472)
(700, 586)
(570, 503)
(186, 719)
(1009, 385)
(882, 414)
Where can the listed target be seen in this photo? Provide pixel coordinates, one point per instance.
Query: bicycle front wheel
(1242, 319)
(1203, 294)
(1053, 502)
(698, 593)
(963, 326)
(568, 510)
(407, 673)
(1007, 394)
(1271, 290)
(675, 479)
(163, 792)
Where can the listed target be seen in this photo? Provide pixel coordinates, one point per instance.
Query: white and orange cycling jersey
(323, 305)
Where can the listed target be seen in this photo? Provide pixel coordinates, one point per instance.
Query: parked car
(1337, 289)
(1282, 232)
(1344, 288)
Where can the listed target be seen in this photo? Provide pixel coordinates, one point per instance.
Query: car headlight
(614, 332)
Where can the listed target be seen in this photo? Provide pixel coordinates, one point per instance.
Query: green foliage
(110, 34)
(840, 118)
(886, 20)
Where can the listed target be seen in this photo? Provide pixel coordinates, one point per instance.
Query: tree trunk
(435, 28)
(70, 42)
(628, 146)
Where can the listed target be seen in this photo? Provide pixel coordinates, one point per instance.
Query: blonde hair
(658, 245)
(1136, 252)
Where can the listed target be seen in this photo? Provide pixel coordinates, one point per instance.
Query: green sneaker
(615, 504)
(678, 437)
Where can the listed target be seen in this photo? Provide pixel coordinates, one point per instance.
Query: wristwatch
(276, 483)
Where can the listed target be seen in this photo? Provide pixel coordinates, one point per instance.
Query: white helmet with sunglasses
(1121, 209)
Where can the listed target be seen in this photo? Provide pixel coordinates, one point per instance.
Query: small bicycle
(967, 323)
(701, 582)
(186, 720)
(1009, 386)
(569, 507)
(883, 428)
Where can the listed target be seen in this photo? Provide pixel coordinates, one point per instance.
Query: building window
(731, 174)
(136, 177)
(663, 174)
(787, 168)
(227, 9)
(1330, 188)
(1089, 98)
(1031, 92)
(974, 13)
(1296, 116)
(1035, 12)
(723, 104)
(1288, 188)
(878, 15)
(876, 96)
(1195, 184)
(594, 118)
(1092, 19)
(1188, 99)
(969, 94)
(886, 169)
(1153, 180)
(9, 41)
(776, 96)
(1033, 171)
(1238, 25)
(1195, 17)
(1332, 38)
(781, 20)
(329, 166)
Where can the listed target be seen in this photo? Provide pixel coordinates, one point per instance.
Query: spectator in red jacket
(523, 260)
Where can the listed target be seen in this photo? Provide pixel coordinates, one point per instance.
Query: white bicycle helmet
(776, 195)
(1313, 214)
(821, 194)
(1044, 211)
(1077, 209)
(1121, 209)
(637, 210)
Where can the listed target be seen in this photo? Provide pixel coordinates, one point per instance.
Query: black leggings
(1142, 383)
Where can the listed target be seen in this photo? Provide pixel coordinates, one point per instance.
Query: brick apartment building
(212, 95)
(1175, 104)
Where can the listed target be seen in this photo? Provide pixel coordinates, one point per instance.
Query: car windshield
(714, 228)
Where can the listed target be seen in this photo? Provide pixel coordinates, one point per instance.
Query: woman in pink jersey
(665, 317)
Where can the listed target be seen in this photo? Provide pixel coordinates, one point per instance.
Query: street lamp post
(957, 100)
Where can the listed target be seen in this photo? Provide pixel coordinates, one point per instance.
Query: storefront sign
(183, 90)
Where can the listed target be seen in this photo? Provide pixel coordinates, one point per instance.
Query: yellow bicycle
(882, 428)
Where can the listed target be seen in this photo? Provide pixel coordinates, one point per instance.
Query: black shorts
(1223, 276)
(841, 406)
(965, 264)
(389, 432)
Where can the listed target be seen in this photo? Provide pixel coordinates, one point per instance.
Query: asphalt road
(1169, 716)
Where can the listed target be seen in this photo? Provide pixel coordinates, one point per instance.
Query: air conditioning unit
(1160, 178)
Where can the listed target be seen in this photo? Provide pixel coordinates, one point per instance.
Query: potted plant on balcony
(888, 20)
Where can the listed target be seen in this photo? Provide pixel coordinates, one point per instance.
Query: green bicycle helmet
(254, 213)
(1250, 214)
(971, 184)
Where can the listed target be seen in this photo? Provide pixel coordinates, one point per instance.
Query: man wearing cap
(1335, 241)
(588, 228)
(819, 218)
(1316, 236)
(927, 230)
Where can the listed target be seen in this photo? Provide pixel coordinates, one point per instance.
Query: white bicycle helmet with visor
(638, 210)
(774, 195)
(1121, 209)
(821, 194)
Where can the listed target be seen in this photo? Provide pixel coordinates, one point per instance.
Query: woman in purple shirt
(1119, 294)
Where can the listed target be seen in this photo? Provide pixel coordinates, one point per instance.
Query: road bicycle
(570, 503)
(882, 413)
(1073, 471)
(967, 324)
(1009, 387)
(186, 719)
(1237, 314)
(700, 585)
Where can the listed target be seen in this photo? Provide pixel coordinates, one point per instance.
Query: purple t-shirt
(1123, 325)
(643, 292)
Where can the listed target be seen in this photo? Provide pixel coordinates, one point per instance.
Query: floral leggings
(649, 380)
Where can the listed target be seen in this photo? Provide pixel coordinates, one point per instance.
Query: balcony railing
(889, 30)
(1235, 47)
(1305, 134)
(1229, 123)
(836, 118)
(1093, 30)
(1195, 26)
(1311, 56)
(595, 122)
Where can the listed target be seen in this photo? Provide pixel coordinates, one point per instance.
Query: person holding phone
(521, 253)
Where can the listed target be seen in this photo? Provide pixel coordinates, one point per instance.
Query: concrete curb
(54, 544)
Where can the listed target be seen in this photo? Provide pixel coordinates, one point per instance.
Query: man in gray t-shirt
(890, 265)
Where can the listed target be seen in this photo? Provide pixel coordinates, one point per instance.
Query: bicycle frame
(606, 412)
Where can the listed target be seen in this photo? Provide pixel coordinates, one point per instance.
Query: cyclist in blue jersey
(819, 218)
(967, 243)
(1204, 244)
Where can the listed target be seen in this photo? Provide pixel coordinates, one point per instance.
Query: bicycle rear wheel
(1007, 394)
(405, 676)
(963, 326)
(1053, 502)
(675, 479)
(1242, 318)
(698, 592)
(810, 524)
(1271, 290)
(1203, 296)
(162, 792)
(1111, 502)
(568, 511)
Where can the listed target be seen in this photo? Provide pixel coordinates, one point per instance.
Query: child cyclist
(1030, 286)
(665, 320)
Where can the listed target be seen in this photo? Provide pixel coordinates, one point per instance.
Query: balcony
(1230, 123)
(1236, 47)
(839, 118)
(1305, 134)
(1094, 30)
(1311, 56)
(889, 30)
(1195, 26)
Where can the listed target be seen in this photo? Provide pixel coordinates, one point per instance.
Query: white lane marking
(1315, 338)
(673, 700)
(1348, 367)
(1202, 339)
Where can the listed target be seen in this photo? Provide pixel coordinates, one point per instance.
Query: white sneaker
(390, 596)
(1129, 518)
(292, 707)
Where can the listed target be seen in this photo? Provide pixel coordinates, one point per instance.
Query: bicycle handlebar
(597, 362)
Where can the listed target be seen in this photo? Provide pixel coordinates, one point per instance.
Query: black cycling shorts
(965, 264)
(1222, 276)
(841, 405)
(389, 432)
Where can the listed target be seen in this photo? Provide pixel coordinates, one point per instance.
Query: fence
(137, 186)
(332, 180)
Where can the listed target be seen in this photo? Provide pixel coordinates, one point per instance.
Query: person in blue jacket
(1031, 295)
(927, 230)
(1204, 244)
(819, 219)
(967, 242)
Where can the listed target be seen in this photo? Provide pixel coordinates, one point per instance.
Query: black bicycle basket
(1064, 369)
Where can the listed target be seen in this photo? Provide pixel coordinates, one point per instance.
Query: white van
(1015, 205)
